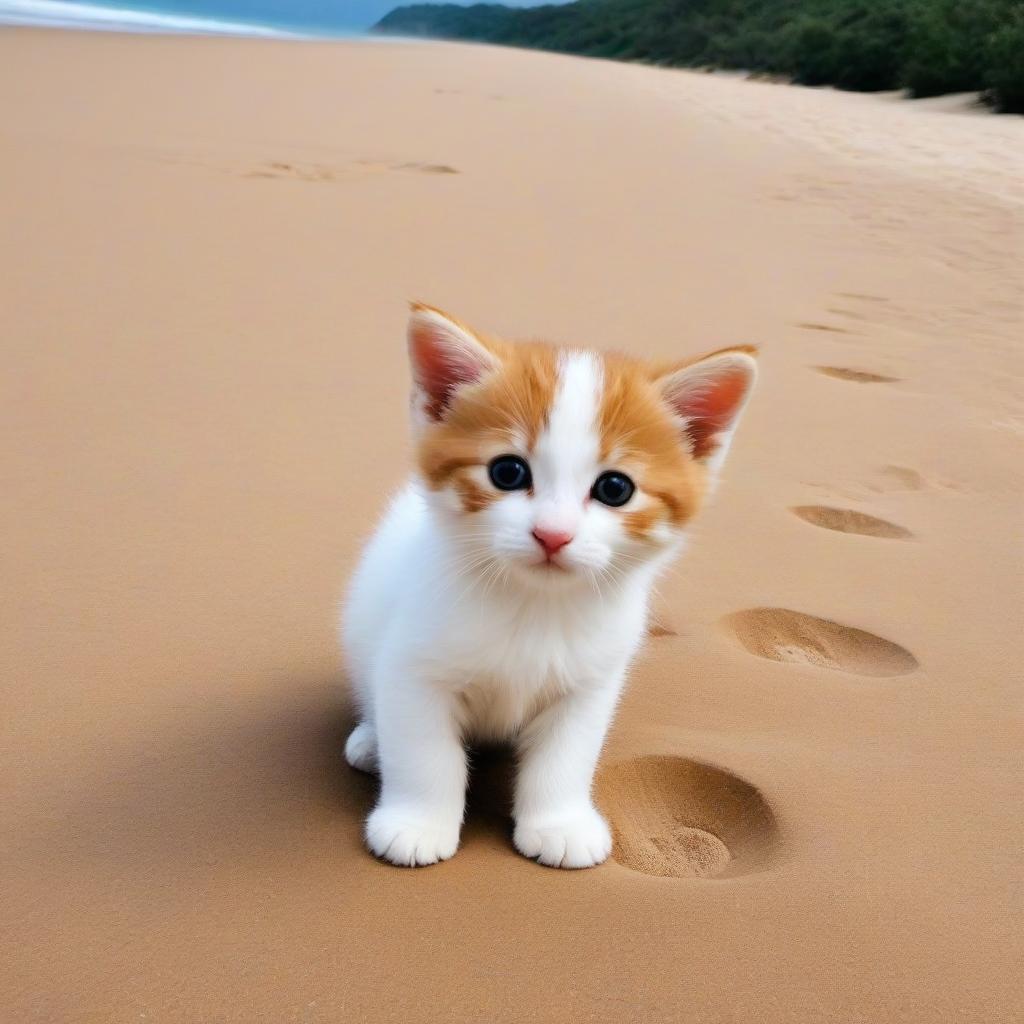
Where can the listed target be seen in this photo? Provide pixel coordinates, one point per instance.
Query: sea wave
(60, 14)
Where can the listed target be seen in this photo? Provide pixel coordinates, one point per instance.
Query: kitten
(505, 593)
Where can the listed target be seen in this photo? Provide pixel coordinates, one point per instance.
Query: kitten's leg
(556, 821)
(361, 748)
(423, 773)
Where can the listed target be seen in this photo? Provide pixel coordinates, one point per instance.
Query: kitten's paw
(361, 748)
(409, 839)
(579, 839)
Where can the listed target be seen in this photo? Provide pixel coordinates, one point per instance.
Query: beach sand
(815, 776)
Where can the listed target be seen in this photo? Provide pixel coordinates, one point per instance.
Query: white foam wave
(60, 14)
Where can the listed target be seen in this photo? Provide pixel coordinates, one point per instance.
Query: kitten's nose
(551, 541)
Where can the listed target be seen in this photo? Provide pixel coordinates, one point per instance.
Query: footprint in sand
(887, 480)
(898, 478)
(848, 520)
(295, 172)
(780, 634)
(858, 316)
(675, 818)
(658, 628)
(857, 376)
(850, 314)
(425, 168)
(808, 325)
(360, 168)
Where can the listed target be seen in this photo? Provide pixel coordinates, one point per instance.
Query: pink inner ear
(712, 409)
(441, 366)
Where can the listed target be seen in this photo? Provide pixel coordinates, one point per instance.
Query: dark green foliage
(852, 45)
(1005, 72)
(926, 46)
(949, 42)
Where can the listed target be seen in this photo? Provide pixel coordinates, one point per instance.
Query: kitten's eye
(613, 489)
(509, 473)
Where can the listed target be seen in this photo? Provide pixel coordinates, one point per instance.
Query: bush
(810, 52)
(871, 47)
(1004, 74)
(948, 43)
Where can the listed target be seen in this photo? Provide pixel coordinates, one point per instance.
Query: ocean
(273, 18)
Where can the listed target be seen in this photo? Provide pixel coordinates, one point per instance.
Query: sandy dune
(815, 779)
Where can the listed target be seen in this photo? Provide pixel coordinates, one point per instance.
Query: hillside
(928, 47)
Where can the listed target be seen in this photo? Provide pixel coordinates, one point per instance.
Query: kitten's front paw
(579, 839)
(409, 839)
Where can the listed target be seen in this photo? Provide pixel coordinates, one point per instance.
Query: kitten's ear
(445, 356)
(708, 396)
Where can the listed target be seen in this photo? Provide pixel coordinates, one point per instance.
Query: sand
(815, 779)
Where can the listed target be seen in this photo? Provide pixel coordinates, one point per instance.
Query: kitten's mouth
(550, 565)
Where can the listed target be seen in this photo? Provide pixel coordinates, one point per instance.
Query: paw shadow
(489, 796)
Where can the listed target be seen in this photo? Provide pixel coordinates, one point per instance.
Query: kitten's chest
(536, 646)
(512, 665)
(520, 675)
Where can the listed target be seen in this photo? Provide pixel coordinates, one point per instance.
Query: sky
(312, 16)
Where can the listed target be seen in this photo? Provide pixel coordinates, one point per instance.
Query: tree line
(927, 47)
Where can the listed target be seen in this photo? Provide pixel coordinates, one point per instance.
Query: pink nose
(551, 541)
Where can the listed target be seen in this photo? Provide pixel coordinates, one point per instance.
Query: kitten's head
(559, 466)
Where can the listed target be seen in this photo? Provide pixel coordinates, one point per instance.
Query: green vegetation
(926, 46)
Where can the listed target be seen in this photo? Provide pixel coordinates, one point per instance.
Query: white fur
(456, 630)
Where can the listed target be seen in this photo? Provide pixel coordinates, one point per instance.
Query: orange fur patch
(510, 406)
(473, 497)
(639, 433)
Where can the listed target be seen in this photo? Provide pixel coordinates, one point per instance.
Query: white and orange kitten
(506, 592)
